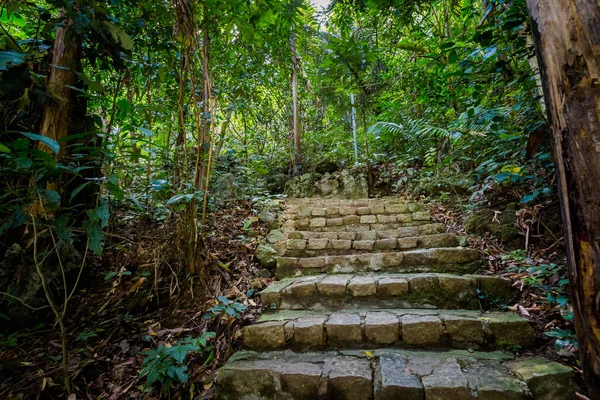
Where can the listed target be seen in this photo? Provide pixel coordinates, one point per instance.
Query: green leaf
(51, 143)
(179, 352)
(4, 149)
(96, 237)
(102, 213)
(10, 58)
(178, 373)
(179, 197)
(110, 275)
(119, 35)
(78, 189)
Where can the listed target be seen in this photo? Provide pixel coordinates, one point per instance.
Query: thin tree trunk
(567, 38)
(66, 55)
(296, 117)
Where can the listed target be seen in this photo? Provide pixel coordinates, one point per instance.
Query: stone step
(410, 231)
(312, 330)
(390, 374)
(429, 291)
(365, 242)
(451, 260)
(358, 223)
(323, 207)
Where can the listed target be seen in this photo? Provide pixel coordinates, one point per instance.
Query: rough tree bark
(567, 36)
(66, 56)
(296, 117)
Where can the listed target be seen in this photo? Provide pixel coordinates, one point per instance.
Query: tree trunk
(296, 117)
(57, 110)
(567, 36)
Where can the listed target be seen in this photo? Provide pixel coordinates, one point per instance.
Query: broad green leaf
(96, 237)
(51, 143)
(4, 149)
(119, 35)
(11, 58)
(110, 275)
(78, 189)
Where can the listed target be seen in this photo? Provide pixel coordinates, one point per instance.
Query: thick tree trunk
(567, 36)
(296, 117)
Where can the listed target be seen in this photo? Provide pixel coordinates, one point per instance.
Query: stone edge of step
(389, 373)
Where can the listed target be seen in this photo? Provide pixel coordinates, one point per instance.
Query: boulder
(499, 224)
(225, 186)
(267, 255)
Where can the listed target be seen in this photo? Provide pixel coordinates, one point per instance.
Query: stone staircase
(374, 301)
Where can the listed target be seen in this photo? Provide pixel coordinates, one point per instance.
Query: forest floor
(138, 298)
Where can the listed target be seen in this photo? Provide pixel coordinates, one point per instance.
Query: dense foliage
(167, 100)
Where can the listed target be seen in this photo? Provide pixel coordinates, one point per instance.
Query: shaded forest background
(141, 140)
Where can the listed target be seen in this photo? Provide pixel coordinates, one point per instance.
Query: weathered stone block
(439, 240)
(350, 379)
(295, 235)
(335, 222)
(408, 231)
(341, 244)
(457, 288)
(303, 289)
(454, 256)
(367, 235)
(395, 381)
(363, 211)
(510, 330)
(447, 382)
(318, 222)
(395, 208)
(333, 286)
(332, 210)
(247, 378)
(392, 287)
(264, 336)
(319, 212)
(385, 219)
(343, 329)
(386, 244)
(296, 244)
(351, 220)
(363, 244)
(347, 236)
(347, 210)
(391, 259)
(430, 229)
(417, 257)
(421, 216)
(408, 242)
(302, 223)
(368, 219)
(404, 218)
(362, 286)
(309, 332)
(421, 330)
(495, 287)
(465, 330)
(424, 284)
(382, 328)
(388, 234)
(546, 379)
(301, 380)
(318, 244)
(377, 208)
(312, 263)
